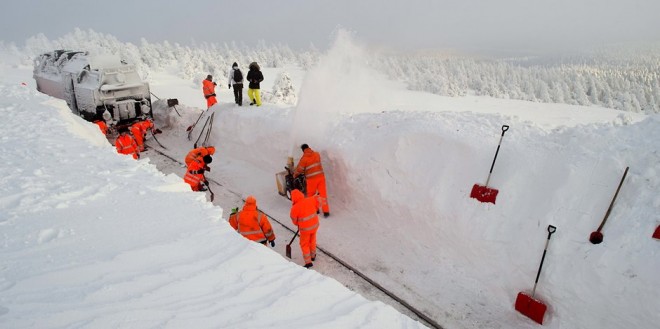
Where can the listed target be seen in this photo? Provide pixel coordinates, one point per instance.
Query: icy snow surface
(107, 241)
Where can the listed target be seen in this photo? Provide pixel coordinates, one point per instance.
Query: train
(95, 87)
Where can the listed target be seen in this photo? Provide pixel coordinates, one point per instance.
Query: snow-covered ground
(97, 240)
(400, 166)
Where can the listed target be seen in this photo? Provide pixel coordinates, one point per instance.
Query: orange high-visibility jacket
(252, 223)
(304, 212)
(125, 144)
(309, 164)
(198, 154)
(136, 130)
(146, 125)
(103, 126)
(194, 175)
(208, 87)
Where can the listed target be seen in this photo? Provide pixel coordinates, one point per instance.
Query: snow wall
(402, 180)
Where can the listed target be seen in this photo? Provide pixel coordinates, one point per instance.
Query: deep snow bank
(95, 239)
(399, 184)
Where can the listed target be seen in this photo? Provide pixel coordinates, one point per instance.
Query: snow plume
(342, 82)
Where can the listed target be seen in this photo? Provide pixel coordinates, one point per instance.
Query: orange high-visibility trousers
(211, 101)
(317, 183)
(308, 245)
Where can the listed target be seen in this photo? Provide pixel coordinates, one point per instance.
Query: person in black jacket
(236, 79)
(254, 76)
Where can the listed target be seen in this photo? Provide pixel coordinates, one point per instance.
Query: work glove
(272, 243)
(207, 168)
(234, 210)
(215, 84)
(229, 86)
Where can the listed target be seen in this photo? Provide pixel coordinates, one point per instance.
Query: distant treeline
(623, 79)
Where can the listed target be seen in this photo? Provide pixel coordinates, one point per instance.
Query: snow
(95, 239)
(120, 243)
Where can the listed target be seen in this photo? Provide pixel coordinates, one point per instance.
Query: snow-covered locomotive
(93, 84)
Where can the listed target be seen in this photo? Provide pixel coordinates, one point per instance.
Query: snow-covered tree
(283, 91)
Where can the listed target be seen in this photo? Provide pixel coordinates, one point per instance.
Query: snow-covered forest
(620, 78)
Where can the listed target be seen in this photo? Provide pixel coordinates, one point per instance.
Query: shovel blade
(530, 307)
(656, 234)
(484, 193)
(596, 237)
(288, 251)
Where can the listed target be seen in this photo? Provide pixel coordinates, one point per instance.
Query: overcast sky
(486, 25)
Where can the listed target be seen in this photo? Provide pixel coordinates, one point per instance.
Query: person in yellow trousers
(304, 214)
(255, 77)
(252, 223)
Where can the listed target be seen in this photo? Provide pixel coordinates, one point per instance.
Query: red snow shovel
(527, 305)
(596, 237)
(485, 193)
(656, 234)
(288, 246)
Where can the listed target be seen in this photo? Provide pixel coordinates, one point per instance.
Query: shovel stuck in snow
(656, 234)
(596, 237)
(485, 193)
(527, 305)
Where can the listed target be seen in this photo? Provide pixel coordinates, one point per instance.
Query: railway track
(410, 308)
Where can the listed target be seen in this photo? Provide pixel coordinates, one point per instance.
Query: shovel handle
(607, 214)
(504, 129)
(551, 230)
(294, 237)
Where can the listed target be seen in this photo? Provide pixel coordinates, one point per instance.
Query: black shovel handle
(504, 129)
(211, 192)
(294, 237)
(551, 230)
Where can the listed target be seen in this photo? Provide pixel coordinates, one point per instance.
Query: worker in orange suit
(125, 143)
(310, 165)
(195, 173)
(304, 214)
(252, 223)
(198, 154)
(102, 125)
(208, 87)
(139, 131)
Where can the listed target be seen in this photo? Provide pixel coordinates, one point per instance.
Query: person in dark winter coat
(236, 79)
(255, 77)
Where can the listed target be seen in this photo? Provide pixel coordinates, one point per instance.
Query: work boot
(326, 214)
(308, 265)
(203, 188)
